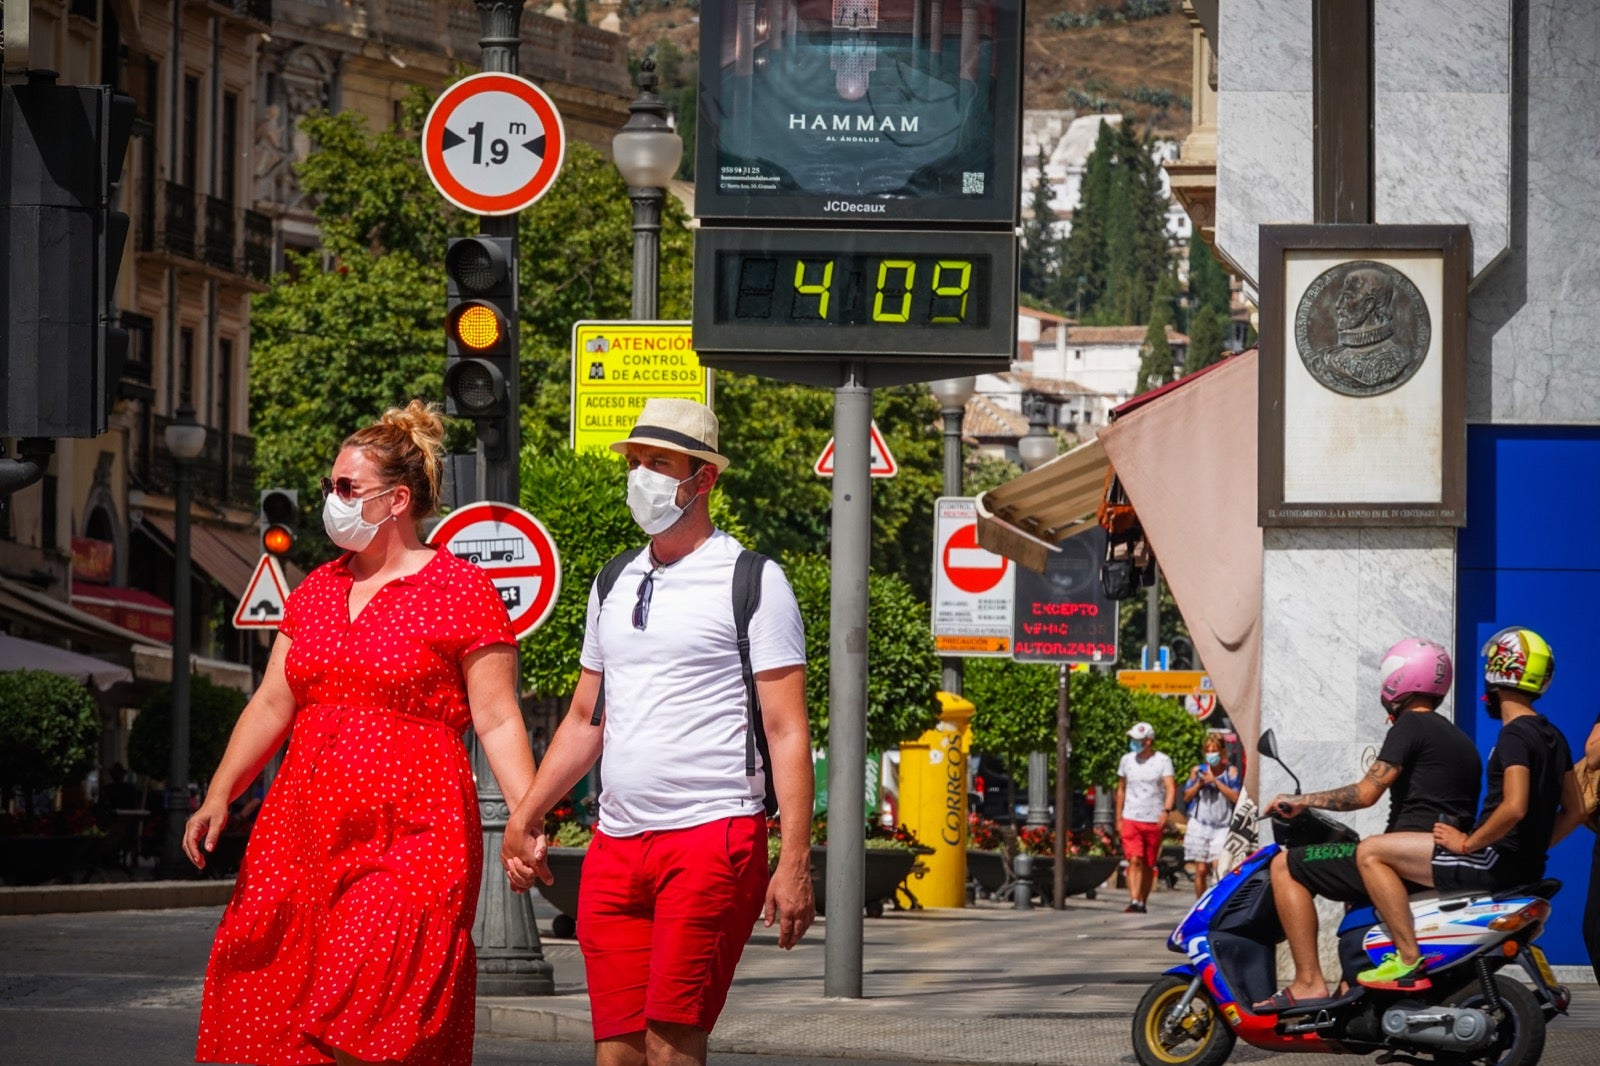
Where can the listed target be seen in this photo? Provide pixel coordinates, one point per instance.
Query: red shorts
(663, 918)
(1141, 841)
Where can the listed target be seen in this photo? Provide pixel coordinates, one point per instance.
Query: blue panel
(1530, 556)
(1533, 497)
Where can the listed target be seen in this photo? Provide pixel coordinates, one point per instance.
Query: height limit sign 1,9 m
(493, 143)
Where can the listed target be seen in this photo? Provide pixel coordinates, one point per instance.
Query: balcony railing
(257, 245)
(178, 220)
(225, 471)
(221, 231)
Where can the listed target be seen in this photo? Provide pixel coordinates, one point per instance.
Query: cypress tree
(1205, 340)
(1038, 266)
(1084, 250)
(1208, 282)
(1155, 368)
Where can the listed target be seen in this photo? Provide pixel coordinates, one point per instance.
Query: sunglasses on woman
(343, 487)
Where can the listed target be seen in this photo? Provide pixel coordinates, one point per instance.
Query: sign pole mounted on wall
(857, 186)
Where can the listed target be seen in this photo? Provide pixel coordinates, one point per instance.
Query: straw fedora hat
(677, 425)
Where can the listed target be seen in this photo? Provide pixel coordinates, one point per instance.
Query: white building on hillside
(1103, 359)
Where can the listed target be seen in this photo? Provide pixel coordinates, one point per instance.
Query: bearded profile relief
(1362, 328)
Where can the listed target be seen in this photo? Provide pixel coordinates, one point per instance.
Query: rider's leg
(1297, 912)
(1386, 862)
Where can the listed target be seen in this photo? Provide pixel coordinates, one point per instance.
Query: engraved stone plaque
(1362, 328)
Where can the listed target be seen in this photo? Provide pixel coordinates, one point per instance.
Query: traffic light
(61, 155)
(481, 337)
(280, 514)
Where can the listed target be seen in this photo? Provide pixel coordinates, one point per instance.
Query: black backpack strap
(746, 599)
(603, 584)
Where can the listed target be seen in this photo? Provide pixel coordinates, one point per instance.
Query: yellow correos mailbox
(933, 802)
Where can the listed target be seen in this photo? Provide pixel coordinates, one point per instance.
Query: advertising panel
(877, 110)
(1064, 615)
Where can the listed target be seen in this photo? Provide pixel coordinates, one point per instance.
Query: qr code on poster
(972, 182)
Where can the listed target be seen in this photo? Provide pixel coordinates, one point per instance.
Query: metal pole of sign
(847, 683)
(1058, 898)
(1152, 619)
(511, 960)
(498, 479)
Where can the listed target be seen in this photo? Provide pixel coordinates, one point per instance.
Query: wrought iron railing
(257, 245)
(221, 230)
(178, 229)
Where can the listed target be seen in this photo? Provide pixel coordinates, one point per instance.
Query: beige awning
(1025, 518)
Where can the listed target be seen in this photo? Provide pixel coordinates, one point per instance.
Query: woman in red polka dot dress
(349, 935)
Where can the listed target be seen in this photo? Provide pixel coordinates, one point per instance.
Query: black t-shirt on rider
(1438, 780)
(1533, 742)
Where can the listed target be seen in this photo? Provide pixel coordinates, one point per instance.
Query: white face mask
(344, 522)
(653, 499)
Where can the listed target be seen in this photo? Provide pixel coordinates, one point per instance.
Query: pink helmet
(1413, 667)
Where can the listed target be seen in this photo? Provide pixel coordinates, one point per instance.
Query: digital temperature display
(852, 292)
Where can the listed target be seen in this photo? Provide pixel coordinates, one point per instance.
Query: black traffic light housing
(61, 353)
(279, 517)
(481, 336)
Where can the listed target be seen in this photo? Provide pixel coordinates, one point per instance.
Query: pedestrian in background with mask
(676, 875)
(1210, 794)
(349, 935)
(1145, 792)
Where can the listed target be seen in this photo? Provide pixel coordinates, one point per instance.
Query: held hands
(1449, 838)
(523, 854)
(206, 823)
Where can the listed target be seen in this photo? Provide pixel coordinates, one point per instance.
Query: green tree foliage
(345, 335)
(988, 472)
(49, 730)
(1155, 365)
(1016, 714)
(1118, 243)
(581, 498)
(902, 665)
(773, 433)
(1039, 243)
(1208, 282)
(1205, 340)
(213, 710)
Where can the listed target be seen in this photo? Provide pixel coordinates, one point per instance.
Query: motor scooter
(1472, 1013)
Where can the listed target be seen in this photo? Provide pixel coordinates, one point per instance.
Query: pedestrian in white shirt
(1146, 787)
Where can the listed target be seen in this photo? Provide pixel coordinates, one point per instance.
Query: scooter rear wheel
(1519, 1025)
(1198, 1038)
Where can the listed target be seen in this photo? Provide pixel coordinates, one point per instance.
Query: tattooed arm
(1353, 797)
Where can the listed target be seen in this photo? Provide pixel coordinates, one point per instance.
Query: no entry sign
(973, 589)
(516, 551)
(493, 143)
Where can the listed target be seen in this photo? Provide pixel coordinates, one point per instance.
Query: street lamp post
(647, 150)
(1035, 449)
(953, 394)
(185, 439)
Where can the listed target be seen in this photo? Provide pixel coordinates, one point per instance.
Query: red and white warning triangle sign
(883, 464)
(262, 604)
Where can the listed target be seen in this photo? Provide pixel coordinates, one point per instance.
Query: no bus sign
(493, 143)
(516, 551)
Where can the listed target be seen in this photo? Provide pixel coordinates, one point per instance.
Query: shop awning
(19, 654)
(135, 610)
(229, 556)
(1025, 518)
(39, 611)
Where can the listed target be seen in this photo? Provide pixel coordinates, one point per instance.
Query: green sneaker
(1396, 976)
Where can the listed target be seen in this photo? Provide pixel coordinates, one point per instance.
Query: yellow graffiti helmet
(1519, 659)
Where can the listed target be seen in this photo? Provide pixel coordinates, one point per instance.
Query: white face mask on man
(653, 499)
(346, 525)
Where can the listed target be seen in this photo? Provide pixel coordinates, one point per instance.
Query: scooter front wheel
(1164, 1037)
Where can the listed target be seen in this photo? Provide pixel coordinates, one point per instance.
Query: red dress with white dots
(350, 926)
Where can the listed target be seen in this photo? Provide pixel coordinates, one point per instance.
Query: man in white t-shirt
(676, 875)
(1146, 787)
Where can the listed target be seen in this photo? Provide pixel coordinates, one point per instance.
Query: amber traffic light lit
(277, 540)
(478, 327)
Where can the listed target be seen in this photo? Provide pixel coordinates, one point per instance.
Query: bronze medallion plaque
(1362, 328)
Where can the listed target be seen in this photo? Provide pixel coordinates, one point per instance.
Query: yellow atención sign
(617, 366)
